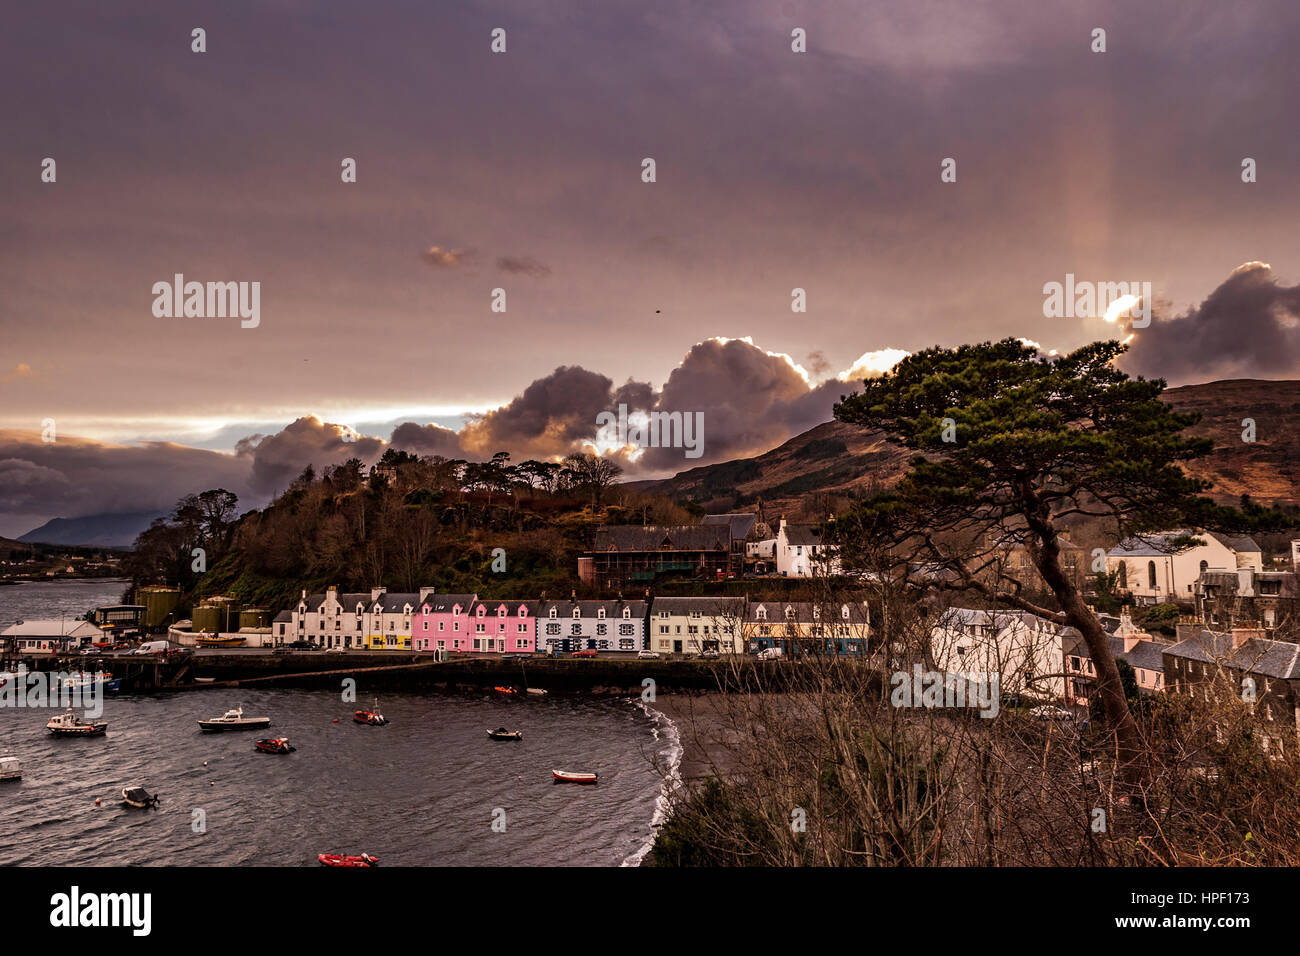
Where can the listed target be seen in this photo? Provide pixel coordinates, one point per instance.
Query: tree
(1015, 445)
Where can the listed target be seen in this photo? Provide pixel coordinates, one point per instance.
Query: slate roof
(284, 617)
(512, 607)
(1256, 655)
(741, 524)
(806, 535)
(1157, 545)
(705, 605)
(395, 602)
(628, 537)
(831, 612)
(591, 608)
(443, 603)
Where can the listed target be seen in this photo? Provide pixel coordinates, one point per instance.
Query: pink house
(441, 623)
(460, 623)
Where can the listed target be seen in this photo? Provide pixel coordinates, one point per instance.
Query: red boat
(569, 776)
(335, 859)
(506, 690)
(275, 745)
(372, 717)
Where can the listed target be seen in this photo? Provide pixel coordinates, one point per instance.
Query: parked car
(1049, 712)
(335, 650)
(584, 653)
(87, 651)
(709, 654)
(647, 655)
(301, 645)
(770, 653)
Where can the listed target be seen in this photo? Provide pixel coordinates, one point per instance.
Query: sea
(428, 789)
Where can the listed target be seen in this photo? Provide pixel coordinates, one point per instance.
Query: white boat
(538, 691)
(139, 797)
(572, 776)
(234, 720)
(68, 724)
(10, 769)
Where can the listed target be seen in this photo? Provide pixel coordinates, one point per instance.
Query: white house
(1151, 573)
(1026, 652)
(41, 637)
(800, 552)
(689, 625)
(355, 621)
(591, 625)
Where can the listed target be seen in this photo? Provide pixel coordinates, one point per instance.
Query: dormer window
(844, 612)
(627, 612)
(554, 613)
(761, 614)
(523, 611)
(481, 611)
(577, 613)
(501, 611)
(600, 614)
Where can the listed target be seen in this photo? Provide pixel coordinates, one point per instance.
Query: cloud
(872, 364)
(73, 477)
(1248, 326)
(21, 370)
(441, 258)
(524, 265)
(275, 460)
(426, 440)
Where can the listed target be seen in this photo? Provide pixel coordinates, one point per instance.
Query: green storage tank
(208, 619)
(254, 617)
(159, 601)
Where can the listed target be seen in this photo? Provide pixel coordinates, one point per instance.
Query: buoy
(336, 720)
(205, 763)
(97, 801)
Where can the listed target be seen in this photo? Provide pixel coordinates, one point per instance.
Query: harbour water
(425, 790)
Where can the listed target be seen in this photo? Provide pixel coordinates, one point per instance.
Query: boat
(569, 776)
(84, 681)
(139, 797)
(68, 724)
(502, 734)
(214, 640)
(537, 691)
(506, 690)
(10, 769)
(275, 745)
(234, 720)
(374, 718)
(335, 859)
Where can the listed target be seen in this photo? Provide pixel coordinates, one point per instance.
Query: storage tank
(254, 617)
(159, 601)
(208, 619)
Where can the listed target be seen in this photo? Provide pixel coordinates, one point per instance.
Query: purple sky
(775, 170)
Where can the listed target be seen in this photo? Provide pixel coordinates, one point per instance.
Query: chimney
(1240, 635)
(377, 593)
(425, 592)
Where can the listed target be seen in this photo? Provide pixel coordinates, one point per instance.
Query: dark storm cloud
(72, 477)
(1249, 325)
(275, 460)
(426, 440)
(552, 416)
(523, 265)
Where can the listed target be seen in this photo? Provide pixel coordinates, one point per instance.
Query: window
(1151, 575)
(553, 613)
(600, 614)
(576, 629)
(626, 629)
(552, 629)
(602, 629)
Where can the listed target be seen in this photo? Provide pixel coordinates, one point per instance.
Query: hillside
(98, 531)
(835, 458)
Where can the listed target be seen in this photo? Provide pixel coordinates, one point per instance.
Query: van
(152, 647)
(770, 653)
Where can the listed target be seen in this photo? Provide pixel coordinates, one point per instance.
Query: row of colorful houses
(429, 622)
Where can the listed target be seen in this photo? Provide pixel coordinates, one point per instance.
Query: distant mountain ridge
(835, 457)
(99, 531)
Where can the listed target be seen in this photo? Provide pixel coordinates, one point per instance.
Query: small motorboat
(374, 717)
(335, 859)
(10, 769)
(536, 691)
(506, 690)
(234, 720)
(569, 776)
(68, 724)
(275, 745)
(79, 683)
(140, 798)
(502, 734)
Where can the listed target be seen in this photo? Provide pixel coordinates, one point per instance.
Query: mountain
(837, 458)
(100, 531)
